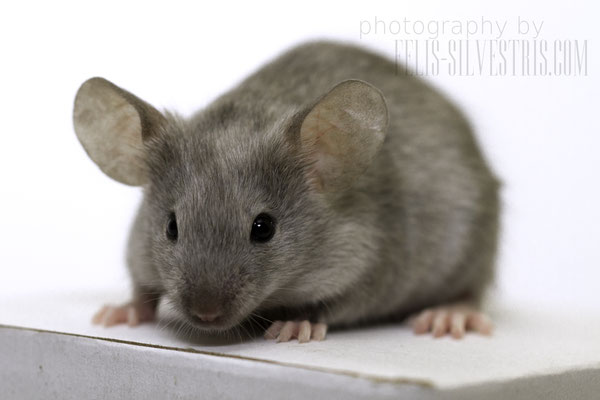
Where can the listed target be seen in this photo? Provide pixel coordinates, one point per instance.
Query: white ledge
(50, 350)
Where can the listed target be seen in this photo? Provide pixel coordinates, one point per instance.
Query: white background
(64, 224)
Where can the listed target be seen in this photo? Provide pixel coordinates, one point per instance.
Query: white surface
(40, 365)
(527, 343)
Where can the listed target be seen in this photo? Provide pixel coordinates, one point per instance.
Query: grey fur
(418, 228)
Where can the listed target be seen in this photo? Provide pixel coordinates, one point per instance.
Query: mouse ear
(343, 132)
(111, 124)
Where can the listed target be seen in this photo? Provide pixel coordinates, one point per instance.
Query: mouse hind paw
(453, 319)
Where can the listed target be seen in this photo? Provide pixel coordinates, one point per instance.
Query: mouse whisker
(261, 317)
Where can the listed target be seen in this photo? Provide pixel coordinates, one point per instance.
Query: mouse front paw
(132, 313)
(304, 331)
(453, 319)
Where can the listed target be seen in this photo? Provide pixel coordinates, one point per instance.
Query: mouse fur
(417, 228)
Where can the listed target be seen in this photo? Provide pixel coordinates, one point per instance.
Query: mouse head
(237, 208)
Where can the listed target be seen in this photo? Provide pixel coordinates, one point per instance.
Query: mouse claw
(273, 331)
(454, 319)
(304, 331)
(132, 314)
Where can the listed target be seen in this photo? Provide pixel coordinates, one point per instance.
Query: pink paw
(132, 313)
(455, 319)
(304, 331)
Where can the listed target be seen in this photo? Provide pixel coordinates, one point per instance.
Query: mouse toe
(304, 331)
(132, 314)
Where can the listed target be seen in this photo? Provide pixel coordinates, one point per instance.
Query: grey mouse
(329, 189)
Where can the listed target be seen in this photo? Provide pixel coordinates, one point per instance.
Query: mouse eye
(263, 228)
(172, 232)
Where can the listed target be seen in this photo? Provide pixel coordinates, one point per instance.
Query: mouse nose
(208, 316)
(207, 312)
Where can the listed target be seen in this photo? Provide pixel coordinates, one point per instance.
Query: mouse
(331, 188)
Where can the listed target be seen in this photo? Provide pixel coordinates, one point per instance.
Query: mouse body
(330, 188)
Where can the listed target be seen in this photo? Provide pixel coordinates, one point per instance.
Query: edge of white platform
(46, 364)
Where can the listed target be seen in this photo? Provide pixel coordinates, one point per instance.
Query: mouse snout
(207, 308)
(206, 314)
